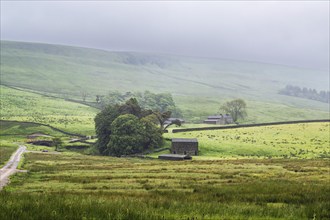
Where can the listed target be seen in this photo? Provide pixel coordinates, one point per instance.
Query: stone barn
(219, 119)
(185, 146)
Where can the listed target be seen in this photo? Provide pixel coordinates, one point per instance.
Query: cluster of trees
(307, 93)
(125, 129)
(161, 102)
(236, 108)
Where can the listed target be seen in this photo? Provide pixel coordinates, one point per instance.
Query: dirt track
(10, 167)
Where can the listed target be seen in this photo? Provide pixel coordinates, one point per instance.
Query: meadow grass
(25, 106)
(6, 150)
(199, 86)
(77, 118)
(75, 186)
(196, 109)
(309, 140)
(12, 128)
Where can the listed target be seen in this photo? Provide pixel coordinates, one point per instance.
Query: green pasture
(309, 140)
(77, 118)
(75, 186)
(197, 109)
(270, 172)
(65, 115)
(198, 85)
(13, 134)
(65, 69)
(10, 128)
(6, 150)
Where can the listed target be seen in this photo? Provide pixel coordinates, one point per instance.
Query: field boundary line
(249, 125)
(23, 89)
(36, 123)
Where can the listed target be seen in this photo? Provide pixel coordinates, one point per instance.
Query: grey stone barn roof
(174, 157)
(209, 120)
(215, 117)
(177, 140)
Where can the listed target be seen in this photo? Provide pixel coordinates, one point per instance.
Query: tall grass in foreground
(213, 204)
(73, 186)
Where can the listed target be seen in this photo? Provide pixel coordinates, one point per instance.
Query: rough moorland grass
(310, 140)
(72, 186)
(199, 86)
(57, 68)
(6, 150)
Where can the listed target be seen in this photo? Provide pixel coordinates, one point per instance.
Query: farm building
(219, 119)
(184, 146)
(174, 157)
(170, 120)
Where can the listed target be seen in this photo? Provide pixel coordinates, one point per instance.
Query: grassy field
(272, 172)
(12, 134)
(199, 86)
(75, 186)
(15, 133)
(46, 67)
(9, 129)
(7, 148)
(196, 109)
(26, 106)
(234, 178)
(310, 140)
(77, 118)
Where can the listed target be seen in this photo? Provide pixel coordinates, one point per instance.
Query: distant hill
(199, 85)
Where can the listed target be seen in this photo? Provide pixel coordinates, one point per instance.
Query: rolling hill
(199, 85)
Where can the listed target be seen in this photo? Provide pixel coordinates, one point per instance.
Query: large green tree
(103, 121)
(236, 108)
(142, 130)
(152, 133)
(127, 136)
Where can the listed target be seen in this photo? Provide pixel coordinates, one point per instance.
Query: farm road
(10, 167)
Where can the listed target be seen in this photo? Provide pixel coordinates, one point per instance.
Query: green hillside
(25, 106)
(198, 85)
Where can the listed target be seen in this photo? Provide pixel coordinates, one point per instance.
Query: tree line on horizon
(306, 93)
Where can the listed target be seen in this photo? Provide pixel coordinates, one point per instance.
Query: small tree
(84, 95)
(98, 98)
(236, 108)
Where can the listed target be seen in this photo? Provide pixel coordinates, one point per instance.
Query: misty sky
(294, 33)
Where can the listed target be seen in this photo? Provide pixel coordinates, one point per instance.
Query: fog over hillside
(294, 33)
(203, 53)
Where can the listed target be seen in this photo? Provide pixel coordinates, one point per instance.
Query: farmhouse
(219, 119)
(184, 146)
(174, 157)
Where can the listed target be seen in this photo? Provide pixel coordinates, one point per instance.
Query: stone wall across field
(248, 125)
(41, 124)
